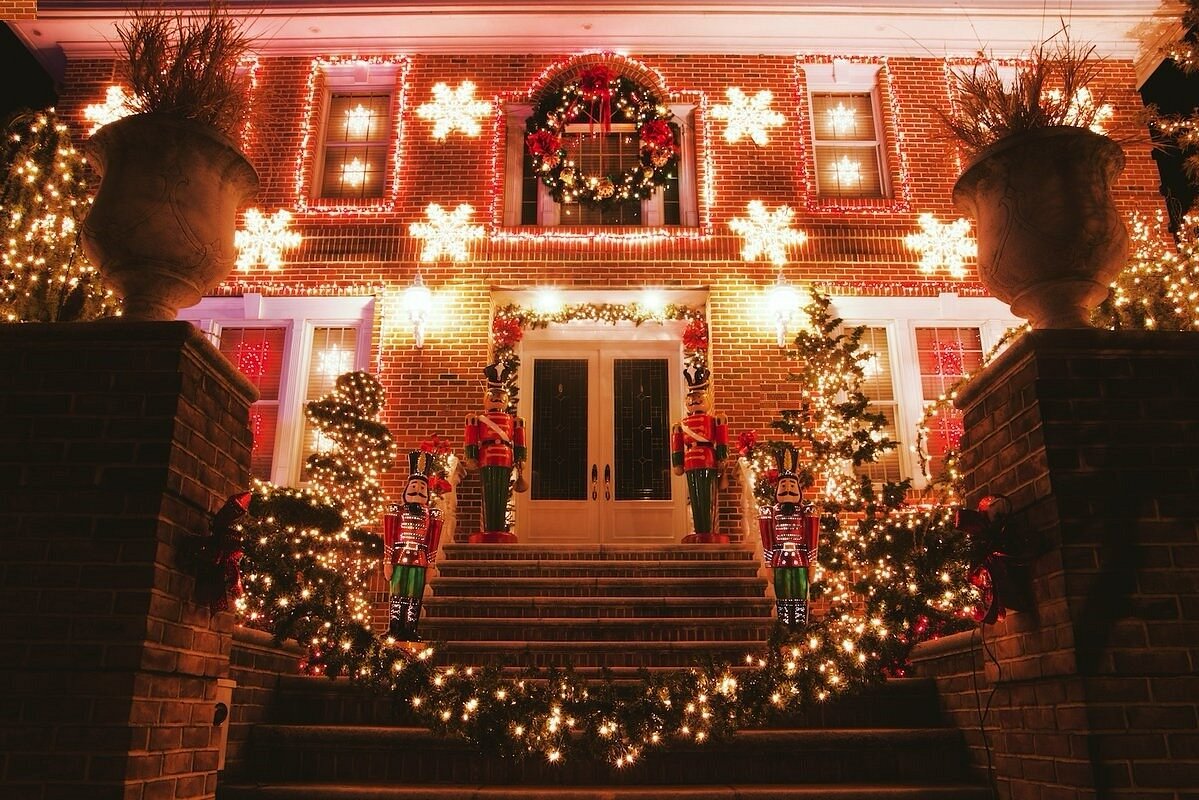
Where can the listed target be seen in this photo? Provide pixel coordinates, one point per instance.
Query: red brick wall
(119, 441)
(256, 664)
(18, 9)
(432, 389)
(1092, 436)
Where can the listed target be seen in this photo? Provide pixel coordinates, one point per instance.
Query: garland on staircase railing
(892, 575)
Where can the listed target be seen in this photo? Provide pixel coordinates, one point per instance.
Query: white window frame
(516, 115)
(844, 77)
(300, 317)
(900, 317)
(359, 78)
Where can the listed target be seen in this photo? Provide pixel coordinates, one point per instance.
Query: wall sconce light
(418, 304)
(782, 299)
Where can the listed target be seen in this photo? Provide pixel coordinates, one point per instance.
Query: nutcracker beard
(791, 596)
(407, 586)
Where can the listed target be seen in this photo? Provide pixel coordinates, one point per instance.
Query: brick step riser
(346, 705)
(742, 792)
(550, 570)
(532, 631)
(457, 553)
(624, 589)
(442, 763)
(476, 608)
(607, 655)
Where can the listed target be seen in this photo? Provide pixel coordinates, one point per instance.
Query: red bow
(596, 84)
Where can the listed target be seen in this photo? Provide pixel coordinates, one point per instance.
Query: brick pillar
(118, 441)
(1094, 436)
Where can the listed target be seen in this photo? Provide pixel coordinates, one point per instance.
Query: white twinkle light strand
(454, 109)
(447, 234)
(116, 105)
(767, 233)
(264, 239)
(748, 116)
(943, 245)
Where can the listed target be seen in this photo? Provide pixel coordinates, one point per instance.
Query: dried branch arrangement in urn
(161, 228)
(1039, 180)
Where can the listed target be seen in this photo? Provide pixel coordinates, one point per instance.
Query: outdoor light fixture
(653, 302)
(782, 299)
(548, 300)
(418, 304)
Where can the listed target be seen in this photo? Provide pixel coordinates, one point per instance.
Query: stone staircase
(622, 608)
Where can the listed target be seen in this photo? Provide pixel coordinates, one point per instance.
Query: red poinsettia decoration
(505, 331)
(595, 84)
(543, 144)
(435, 445)
(746, 442)
(695, 335)
(657, 135)
(440, 485)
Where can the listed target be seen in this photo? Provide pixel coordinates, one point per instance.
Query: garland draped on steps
(892, 575)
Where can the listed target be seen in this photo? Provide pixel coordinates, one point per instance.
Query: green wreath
(598, 96)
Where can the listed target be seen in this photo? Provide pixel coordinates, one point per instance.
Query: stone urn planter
(1050, 240)
(161, 227)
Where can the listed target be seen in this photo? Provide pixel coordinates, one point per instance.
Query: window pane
(528, 192)
(258, 354)
(334, 352)
(598, 154)
(848, 171)
(843, 117)
(354, 171)
(945, 356)
(358, 119)
(879, 387)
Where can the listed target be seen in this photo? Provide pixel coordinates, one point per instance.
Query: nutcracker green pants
(701, 487)
(496, 481)
(791, 583)
(407, 580)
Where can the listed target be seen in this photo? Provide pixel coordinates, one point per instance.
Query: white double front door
(598, 413)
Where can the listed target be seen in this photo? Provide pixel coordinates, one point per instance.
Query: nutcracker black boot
(396, 619)
(412, 618)
(799, 616)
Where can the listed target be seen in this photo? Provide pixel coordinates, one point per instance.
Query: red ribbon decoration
(219, 574)
(596, 84)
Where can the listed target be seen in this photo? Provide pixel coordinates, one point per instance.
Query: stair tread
(617, 621)
(863, 791)
(540, 645)
(535, 600)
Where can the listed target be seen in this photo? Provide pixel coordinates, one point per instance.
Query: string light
(448, 234)
(1083, 108)
(454, 110)
(117, 104)
(767, 233)
(264, 239)
(943, 245)
(748, 116)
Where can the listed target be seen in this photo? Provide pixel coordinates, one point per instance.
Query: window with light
(357, 134)
(847, 145)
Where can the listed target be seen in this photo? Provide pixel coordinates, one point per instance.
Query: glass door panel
(558, 453)
(641, 429)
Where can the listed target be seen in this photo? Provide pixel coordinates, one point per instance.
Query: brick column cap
(1081, 340)
(174, 334)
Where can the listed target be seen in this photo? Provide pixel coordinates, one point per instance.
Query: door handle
(607, 481)
(594, 479)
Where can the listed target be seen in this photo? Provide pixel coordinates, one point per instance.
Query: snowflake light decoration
(116, 104)
(264, 239)
(943, 245)
(1082, 108)
(334, 361)
(748, 116)
(446, 233)
(454, 109)
(359, 120)
(848, 172)
(767, 233)
(841, 118)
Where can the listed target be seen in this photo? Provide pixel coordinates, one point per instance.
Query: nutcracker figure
(699, 445)
(495, 444)
(411, 534)
(790, 535)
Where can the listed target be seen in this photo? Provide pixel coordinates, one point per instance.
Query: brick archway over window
(632, 69)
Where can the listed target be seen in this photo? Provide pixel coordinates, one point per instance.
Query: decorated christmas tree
(43, 200)
(1159, 289)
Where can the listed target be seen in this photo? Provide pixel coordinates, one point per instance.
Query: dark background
(29, 86)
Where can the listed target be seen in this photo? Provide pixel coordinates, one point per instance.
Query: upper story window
(847, 130)
(348, 160)
(617, 157)
(292, 350)
(922, 347)
(357, 135)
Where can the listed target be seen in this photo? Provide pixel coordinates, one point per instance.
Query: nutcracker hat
(697, 378)
(419, 465)
(786, 459)
(497, 378)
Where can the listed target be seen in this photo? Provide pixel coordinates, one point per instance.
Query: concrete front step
(598, 587)
(897, 703)
(602, 631)
(603, 792)
(407, 756)
(584, 654)
(578, 568)
(504, 552)
(438, 608)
